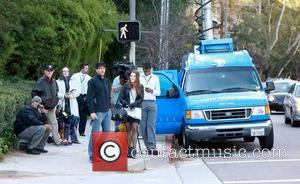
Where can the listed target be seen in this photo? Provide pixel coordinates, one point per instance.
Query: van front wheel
(187, 143)
(267, 142)
(180, 139)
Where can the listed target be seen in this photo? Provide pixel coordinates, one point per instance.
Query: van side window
(165, 85)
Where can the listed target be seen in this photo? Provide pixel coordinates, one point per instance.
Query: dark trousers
(70, 129)
(82, 106)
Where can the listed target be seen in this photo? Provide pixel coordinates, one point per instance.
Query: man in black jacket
(30, 124)
(98, 98)
(46, 88)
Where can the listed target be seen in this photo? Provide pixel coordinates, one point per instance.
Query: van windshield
(221, 80)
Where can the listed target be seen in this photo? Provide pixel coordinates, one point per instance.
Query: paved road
(283, 167)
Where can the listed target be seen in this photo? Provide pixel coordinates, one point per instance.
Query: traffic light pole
(132, 17)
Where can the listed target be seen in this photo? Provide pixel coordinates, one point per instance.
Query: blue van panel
(226, 100)
(169, 128)
(169, 110)
(171, 74)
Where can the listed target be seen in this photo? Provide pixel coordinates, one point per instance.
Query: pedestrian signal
(128, 31)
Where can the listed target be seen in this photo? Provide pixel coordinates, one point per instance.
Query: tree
(64, 33)
(271, 35)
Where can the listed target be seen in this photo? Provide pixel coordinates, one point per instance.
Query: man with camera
(30, 125)
(122, 71)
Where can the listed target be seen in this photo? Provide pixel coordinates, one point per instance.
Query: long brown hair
(137, 82)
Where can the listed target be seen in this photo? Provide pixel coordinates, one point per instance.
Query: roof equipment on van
(216, 46)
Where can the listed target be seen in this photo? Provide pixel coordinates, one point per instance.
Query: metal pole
(226, 19)
(208, 20)
(161, 35)
(166, 66)
(132, 17)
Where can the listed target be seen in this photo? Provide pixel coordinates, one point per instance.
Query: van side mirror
(270, 86)
(173, 93)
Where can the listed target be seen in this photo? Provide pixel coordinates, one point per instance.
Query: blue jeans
(101, 123)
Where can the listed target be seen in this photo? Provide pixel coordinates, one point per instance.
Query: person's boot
(41, 150)
(32, 151)
(129, 152)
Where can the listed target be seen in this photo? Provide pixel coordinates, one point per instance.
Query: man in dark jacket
(30, 124)
(98, 98)
(46, 88)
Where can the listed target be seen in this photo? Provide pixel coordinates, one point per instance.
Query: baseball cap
(49, 67)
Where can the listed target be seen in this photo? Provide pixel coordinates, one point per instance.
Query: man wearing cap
(30, 125)
(46, 88)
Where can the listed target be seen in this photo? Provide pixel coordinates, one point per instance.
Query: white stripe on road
(262, 181)
(253, 161)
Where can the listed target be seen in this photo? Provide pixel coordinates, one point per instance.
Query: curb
(148, 162)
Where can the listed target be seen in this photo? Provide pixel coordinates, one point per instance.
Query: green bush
(13, 96)
(35, 32)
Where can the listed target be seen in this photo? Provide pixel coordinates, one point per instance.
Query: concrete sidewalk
(71, 164)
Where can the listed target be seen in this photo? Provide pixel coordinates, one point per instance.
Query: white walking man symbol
(123, 31)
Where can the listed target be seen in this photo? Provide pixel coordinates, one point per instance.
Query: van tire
(249, 139)
(187, 143)
(180, 139)
(267, 142)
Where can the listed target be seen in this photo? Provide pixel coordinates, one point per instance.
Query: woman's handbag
(118, 114)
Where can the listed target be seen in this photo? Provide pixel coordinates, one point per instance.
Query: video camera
(123, 70)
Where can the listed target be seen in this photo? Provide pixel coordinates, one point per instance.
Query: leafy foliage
(35, 32)
(13, 96)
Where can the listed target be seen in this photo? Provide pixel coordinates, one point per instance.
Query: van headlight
(261, 110)
(194, 114)
(271, 98)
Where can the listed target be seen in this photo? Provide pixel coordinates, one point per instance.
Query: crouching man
(30, 125)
